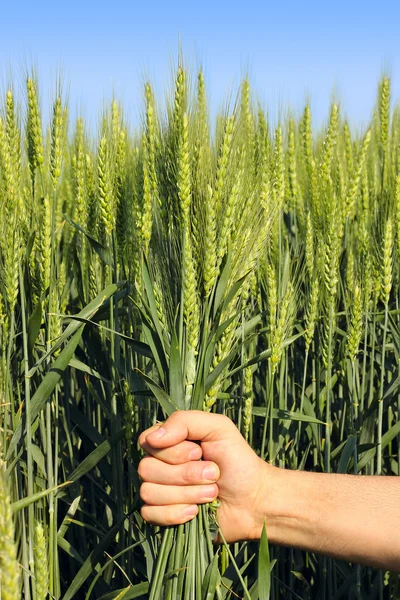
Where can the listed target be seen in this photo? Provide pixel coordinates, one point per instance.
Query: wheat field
(228, 266)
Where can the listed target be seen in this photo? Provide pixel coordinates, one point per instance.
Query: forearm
(350, 517)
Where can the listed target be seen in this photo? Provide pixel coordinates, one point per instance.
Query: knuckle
(190, 473)
(145, 513)
(187, 495)
(140, 470)
(143, 468)
(174, 416)
(225, 421)
(176, 454)
(145, 493)
(171, 517)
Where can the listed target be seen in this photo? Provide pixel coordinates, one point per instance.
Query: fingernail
(210, 473)
(157, 433)
(195, 454)
(190, 511)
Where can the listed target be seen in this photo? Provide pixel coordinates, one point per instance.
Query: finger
(162, 495)
(191, 473)
(169, 515)
(175, 455)
(191, 425)
(146, 432)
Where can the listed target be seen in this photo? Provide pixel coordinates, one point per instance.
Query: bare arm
(349, 517)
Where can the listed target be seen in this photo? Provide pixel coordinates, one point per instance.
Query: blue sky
(291, 51)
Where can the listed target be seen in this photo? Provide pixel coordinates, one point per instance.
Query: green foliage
(226, 269)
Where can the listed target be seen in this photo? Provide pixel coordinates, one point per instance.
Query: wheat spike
(331, 251)
(292, 167)
(6, 168)
(191, 311)
(387, 262)
(282, 328)
(79, 164)
(223, 162)
(248, 401)
(356, 177)
(105, 187)
(14, 141)
(228, 216)
(57, 133)
(34, 130)
(348, 148)
(151, 138)
(184, 176)
(329, 146)
(278, 175)
(384, 110)
(210, 271)
(312, 314)
(9, 568)
(355, 330)
(397, 214)
(146, 217)
(41, 563)
(310, 246)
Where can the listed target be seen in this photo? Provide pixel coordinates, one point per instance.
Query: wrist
(284, 505)
(267, 499)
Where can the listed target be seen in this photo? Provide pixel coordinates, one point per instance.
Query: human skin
(350, 517)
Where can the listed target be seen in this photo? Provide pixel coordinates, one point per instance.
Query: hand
(345, 516)
(175, 481)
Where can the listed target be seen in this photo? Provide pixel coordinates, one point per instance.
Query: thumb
(193, 425)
